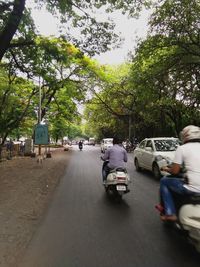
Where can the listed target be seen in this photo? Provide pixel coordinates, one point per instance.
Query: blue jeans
(169, 185)
(105, 170)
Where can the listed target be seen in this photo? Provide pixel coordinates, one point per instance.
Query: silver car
(151, 150)
(106, 143)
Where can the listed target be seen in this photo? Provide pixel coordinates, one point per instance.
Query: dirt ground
(26, 187)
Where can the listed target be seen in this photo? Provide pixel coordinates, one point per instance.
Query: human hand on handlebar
(165, 169)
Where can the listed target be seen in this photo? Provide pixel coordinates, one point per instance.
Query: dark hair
(116, 140)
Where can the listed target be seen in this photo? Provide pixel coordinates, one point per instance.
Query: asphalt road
(83, 228)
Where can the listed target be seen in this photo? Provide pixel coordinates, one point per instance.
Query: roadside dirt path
(26, 188)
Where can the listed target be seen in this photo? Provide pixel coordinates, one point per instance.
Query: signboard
(41, 136)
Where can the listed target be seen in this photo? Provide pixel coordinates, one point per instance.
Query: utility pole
(39, 113)
(39, 108)
(129, 127)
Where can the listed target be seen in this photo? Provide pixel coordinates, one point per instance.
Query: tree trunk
(11, 26)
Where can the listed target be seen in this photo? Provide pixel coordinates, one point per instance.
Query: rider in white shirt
(187, 155)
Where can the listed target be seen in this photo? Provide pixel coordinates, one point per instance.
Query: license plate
(121, 188)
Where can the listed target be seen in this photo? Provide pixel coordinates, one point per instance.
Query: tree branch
(11, 27)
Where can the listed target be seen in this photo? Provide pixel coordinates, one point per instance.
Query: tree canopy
(95, 35)
(160, 93)
(64, 74)
(155, 93)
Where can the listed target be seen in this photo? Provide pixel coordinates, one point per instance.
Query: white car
(106, 143)
(152, 150)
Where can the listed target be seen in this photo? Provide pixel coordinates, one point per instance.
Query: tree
(161, 92)
(65, 75)
(179, 21)
(58, 63)
(175, 27)
(11, 14)
(96, 35)
(110, 109)
(15, 98)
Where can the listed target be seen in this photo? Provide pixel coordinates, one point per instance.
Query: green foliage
(60, 128)
(81, 25)
(65, 76)
(159, 95)
(108, 110)
(15, 101)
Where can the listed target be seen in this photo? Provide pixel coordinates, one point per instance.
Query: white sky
(130, 29)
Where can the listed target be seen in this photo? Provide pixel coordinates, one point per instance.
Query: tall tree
(15, 98)
(65, 76)
(11, 13)
(95, 35)
(162, 89)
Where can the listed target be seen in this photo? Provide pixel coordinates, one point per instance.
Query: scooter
(188, 213)
(117, 181)
(80, 147)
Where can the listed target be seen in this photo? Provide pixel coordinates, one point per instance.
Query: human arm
(173, 169)
(125, 156)
(106, 155)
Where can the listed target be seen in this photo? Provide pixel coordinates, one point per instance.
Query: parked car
(106, 143)
(150, 150)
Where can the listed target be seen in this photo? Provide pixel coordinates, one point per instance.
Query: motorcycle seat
(190, 199)
(195, 199)
(119, 169)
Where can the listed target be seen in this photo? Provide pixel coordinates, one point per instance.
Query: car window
(108, 141)
(166, 144)
(142, 144)
(149, 144)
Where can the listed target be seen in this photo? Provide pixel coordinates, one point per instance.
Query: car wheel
(137, 166)
(156, 171)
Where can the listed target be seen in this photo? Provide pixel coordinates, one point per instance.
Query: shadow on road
(114, 202)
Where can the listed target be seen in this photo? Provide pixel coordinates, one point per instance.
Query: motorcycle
(188, 213)
(117, 181)
(80, 147)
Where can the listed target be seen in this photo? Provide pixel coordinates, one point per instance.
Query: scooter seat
(191, 199)
(181, 200)
(194, 199)
(118, 169)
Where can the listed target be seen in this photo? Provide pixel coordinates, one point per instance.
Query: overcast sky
(130, 29)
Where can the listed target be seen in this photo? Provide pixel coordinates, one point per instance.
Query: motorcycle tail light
(121, 178)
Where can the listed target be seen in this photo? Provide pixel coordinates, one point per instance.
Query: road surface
(83, 228)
